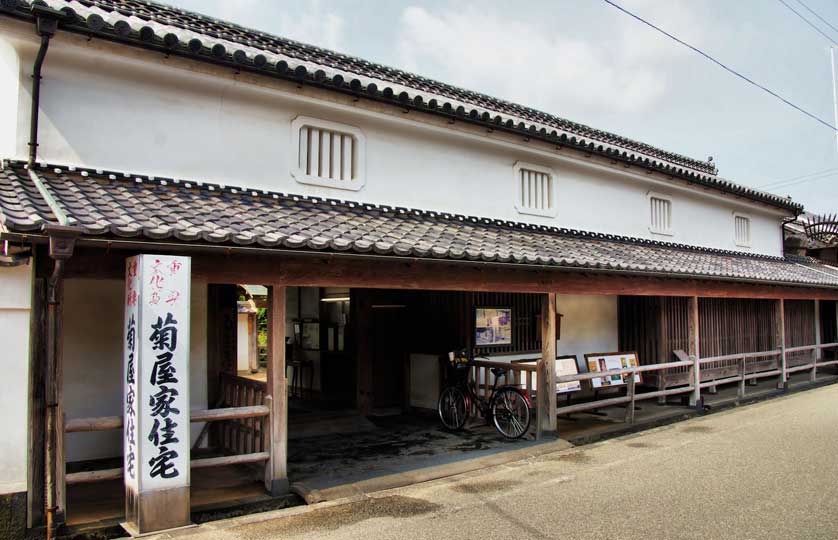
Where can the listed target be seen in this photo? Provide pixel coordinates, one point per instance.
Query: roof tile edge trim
(108, 175)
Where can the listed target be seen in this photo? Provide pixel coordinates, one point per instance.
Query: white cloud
(543, 66)
(308, 22)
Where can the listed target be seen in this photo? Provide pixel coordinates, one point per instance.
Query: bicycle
(507, 406)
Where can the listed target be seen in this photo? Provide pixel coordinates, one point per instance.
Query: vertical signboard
(156, 393)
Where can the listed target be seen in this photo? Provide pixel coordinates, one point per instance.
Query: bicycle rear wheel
(452, 408)
(511, 413)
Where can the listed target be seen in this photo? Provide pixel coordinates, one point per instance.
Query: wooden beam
(780, 339)
(276, 470)
(424, 274)
(546, 367)
(694, 333)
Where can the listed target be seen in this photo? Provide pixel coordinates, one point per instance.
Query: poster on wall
(606, 361)
(156, 375)
(492, 326)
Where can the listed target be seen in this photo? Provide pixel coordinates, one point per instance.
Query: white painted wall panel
(589, 324)
(15, 305)
(223, 128)
(93, 315)
(10, 89)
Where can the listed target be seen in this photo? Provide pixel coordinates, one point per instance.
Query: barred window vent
(660, 215)
(328, 154)
(536, 190)
(742, 227)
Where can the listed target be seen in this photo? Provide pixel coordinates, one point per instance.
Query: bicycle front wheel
(511, 413)
(452, 408)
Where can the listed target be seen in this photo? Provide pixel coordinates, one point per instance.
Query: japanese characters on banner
(157, 372)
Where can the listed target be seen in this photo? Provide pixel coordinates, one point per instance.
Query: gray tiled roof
(108, 204)
(178, 32)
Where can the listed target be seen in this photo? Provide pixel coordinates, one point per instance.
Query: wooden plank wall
(800, 330)
(446, 320)
(654, 326)
(829, 326)
(735, 325)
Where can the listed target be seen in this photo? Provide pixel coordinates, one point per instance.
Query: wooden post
(817, 352)
(276, 473)
(253, 342)
(742, 381)
(36, 489)
(661, 345)
(546, 394)
(780, 341)
(630, 392)
(695, 356)
(360, 313)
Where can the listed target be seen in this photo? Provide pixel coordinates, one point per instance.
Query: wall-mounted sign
(156, 392)
(615, 360)
(566, 365)
(492, 326)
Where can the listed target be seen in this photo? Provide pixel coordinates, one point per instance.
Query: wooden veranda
(777, 329)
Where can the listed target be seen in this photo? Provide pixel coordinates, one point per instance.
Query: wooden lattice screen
(654, 326)
(445, 320)
(735, 325)
(800, 330)
(829, 326)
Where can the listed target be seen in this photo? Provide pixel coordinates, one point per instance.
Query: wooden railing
(815, 361)
(522, 375)
(255, 413)
(740, 367)
(244, 435)
(743, 367)
(631, 395)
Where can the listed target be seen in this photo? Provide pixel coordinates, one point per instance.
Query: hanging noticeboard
(613, 360)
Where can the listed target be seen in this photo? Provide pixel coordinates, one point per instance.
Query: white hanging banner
(156, 384)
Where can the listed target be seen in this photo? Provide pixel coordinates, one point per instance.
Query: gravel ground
(768, 470)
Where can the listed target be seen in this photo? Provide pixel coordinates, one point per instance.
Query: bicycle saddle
(498, 371)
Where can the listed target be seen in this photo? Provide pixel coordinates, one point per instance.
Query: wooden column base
(156, 511)
(279, 487)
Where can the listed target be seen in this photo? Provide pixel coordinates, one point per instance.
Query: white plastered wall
(589, 325)
(204, 123)
(93, 318)
(10, 88)
(15, 309)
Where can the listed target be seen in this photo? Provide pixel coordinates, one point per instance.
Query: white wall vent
(328, 154)
(660, 214)
(742, 230)
(536, 190)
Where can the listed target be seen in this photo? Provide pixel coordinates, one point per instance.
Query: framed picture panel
(492, 326)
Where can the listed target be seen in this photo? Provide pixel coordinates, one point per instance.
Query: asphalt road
(768, 470)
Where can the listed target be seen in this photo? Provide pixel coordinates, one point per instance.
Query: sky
(586, 61)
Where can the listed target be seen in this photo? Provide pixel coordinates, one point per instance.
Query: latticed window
(536, 190)
(660, 215)
(328, 154)
(742, 230)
